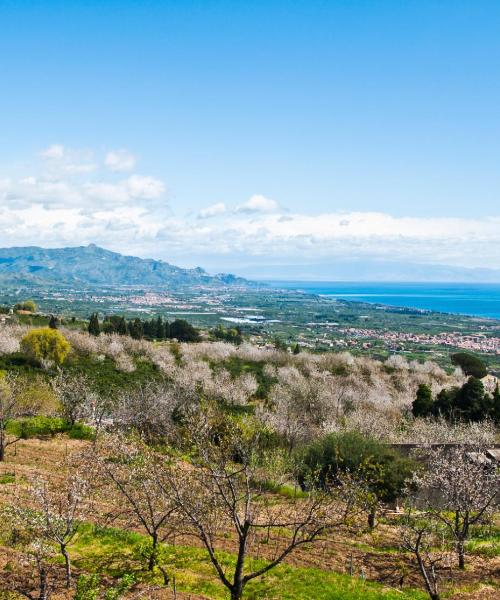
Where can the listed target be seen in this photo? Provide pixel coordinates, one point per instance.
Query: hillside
(132, 439)
(92, 265)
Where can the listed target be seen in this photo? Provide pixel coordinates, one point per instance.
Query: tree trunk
(429, 585)
(237, 587)
(166, 578)
(371, 517)
(236, 592)
(67, 564)
(44, 586)
(2, 441)
(152, 556)
(461, 554)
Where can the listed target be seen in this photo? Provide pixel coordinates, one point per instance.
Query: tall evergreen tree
(136, 329)
(53, 322)
(122, 328)
(444, 405)
(159, 329)
(94, 327)
(471, 365)
(472, 402)
(423, 404)
(495, 408)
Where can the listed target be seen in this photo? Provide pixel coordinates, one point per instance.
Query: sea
(473, 299)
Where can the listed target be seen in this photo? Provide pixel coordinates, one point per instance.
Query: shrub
(382, 469)
(423, 403)
(46, 344)
(471, 365)
(27, 305)
(29, 427)
(79, 431)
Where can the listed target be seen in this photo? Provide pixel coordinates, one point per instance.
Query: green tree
(279, 344)
(471, 365)
(122, 328)
(472, 402)
(381, 468)
(232, 335)
(45, 344)
(53, 322)
(296, 349)
(495, 408)
(160, 329)
(183, 331)
(94, 328)
(423, 403)
(136, 329)
(108, 327)
(444, 405)
(28, 305)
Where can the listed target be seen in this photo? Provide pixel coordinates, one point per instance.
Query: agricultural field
(265, 315)
(164, 469)
(368, 565)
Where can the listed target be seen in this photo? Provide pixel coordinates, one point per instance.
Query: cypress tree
(444, 404)
(122, 328)
(94, 327)
(159, 329)
(495, 405)
(136, 329)
(472, 401)
(423, 404)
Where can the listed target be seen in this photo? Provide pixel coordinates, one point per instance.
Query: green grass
(115, 552)
(7, 478)
(105, 377)
(237, 366)
(40, 426)
(486, 543)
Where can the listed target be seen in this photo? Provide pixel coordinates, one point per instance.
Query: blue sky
(335, 108)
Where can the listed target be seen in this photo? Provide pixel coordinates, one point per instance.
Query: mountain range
(92, 265)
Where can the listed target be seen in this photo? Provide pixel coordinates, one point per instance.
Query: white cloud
(70, 178)
(56, 207)
(213, 210)
(145, 187)
(75, 168)
(258, 204)
(66, 161)
(55, 151)
(120, 160)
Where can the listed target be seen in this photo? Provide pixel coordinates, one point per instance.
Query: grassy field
(317, 572)
(116, 552)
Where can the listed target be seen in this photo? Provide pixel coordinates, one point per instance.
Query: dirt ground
(370, 554)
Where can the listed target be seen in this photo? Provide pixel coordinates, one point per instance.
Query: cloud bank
(77, 198)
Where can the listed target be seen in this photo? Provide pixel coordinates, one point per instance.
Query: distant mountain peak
(93, 265)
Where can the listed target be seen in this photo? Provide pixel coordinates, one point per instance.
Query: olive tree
(382, 469)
